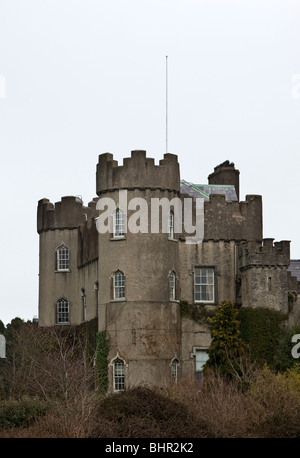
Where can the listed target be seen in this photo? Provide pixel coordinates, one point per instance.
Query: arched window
(119, 285)
(118, 375)
(174, 369)
(63, 258)
(172, 286)
(62, 312)
(118, 223)
(171, 225)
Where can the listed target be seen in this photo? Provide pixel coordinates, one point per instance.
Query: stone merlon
(267, 253)
(69, 213)
(138, 171)
(233, 220)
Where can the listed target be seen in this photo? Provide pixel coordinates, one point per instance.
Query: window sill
(116, 239)
(205, 302)
(118, 300)
(62, 271)
(172, 240)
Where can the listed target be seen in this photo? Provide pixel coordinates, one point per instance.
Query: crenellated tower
(135, 306)
(264, 276)
(59, 286)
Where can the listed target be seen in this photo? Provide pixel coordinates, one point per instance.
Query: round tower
(138, 268)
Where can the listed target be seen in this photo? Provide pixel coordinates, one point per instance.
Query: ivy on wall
(197, 313)
(261, 329)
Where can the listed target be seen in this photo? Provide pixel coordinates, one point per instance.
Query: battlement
(233, 220)
(267, 253)
(69, 213)
(138, 171)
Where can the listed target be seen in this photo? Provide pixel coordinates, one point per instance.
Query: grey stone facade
(133, 282)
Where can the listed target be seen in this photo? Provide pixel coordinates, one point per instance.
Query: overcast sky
(82, 77)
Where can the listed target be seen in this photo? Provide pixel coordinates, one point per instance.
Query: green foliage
(261, 330)
(21, 412)
(196, 313)
(226, 346)
(283, 358)
(293, 378)
(101, 362)
(275, 398)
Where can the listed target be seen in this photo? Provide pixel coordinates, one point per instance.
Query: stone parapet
(138, 171)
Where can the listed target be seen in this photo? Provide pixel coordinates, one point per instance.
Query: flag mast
(166, 104)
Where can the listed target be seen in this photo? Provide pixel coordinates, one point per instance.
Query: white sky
(82, 77)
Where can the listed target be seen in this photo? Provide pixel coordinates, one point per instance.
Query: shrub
(144, 412)
(226, 345)
(276, 405)
(21, 412)
(293, 378)
(283, 358)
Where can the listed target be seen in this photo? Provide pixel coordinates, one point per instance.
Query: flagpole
(166, 104)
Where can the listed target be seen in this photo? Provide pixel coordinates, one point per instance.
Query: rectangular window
(201, 358)
(119, 223)
(204, 284)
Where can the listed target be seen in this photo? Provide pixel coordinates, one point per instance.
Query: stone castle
(132, 283)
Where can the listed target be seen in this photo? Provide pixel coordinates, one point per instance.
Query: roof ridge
(193, 186)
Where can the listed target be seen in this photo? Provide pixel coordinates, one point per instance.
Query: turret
(137, 269)
(226, 173)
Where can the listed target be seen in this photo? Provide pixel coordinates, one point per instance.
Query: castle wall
(88, 290)
(233, 220)
(53, 284)
(192, 335)
(218, 254)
